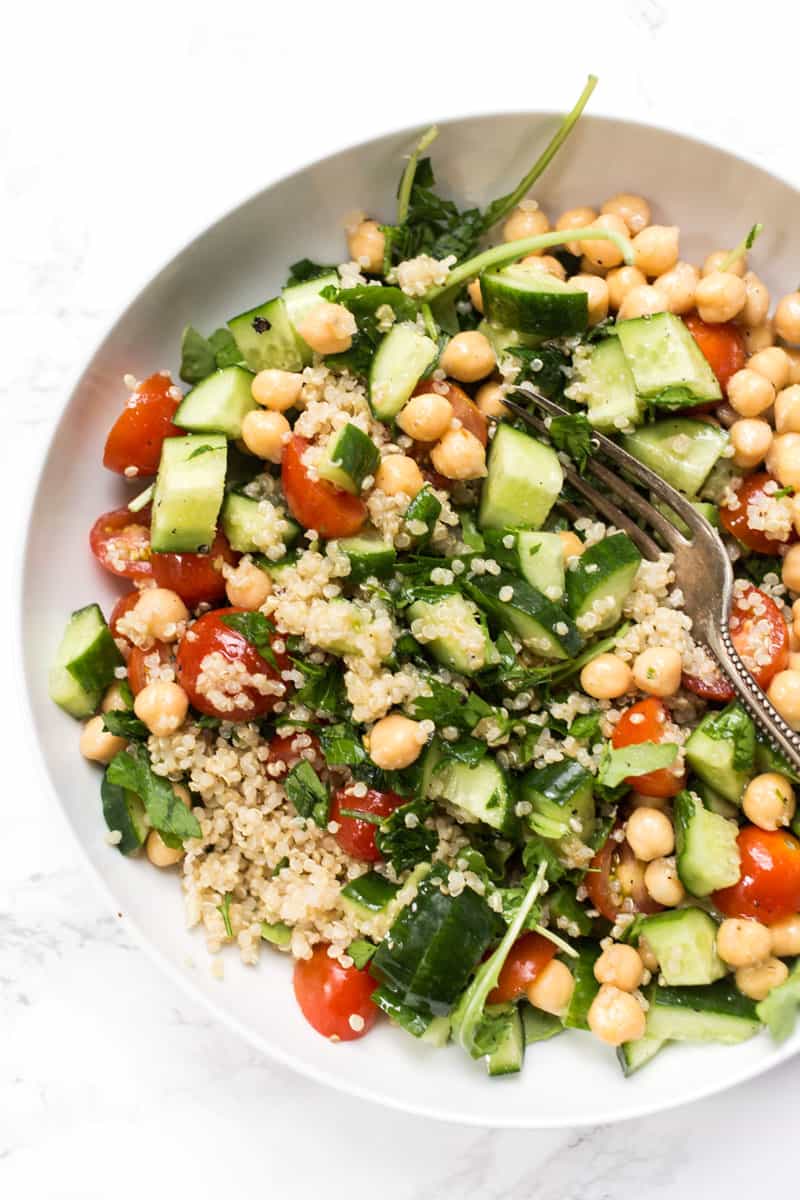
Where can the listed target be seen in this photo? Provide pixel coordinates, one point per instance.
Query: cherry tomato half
(527, 958)
(122, 606)
(120, 541)
(286, 750)
(615, 876)
(336, 1000)
(315, 503)
(209, 635)
(757, 628)
(646, 722)
(722, 345)
(738, 521)
(136, 436)
(358, 837)
(769, 885)
(139, 672)
(197, 578)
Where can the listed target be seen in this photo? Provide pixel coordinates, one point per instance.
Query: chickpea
(459, 455)
(646, 954)
(605, 254)
(678, 286)
(575, 218)
(398, 473)
(552, 989)
(663, 882)
(97, 744)
(749, 393)
(715, 260)
(656, 249)
(773, 364)
(751, 439)
(265, 433)
(784, 693)
(596, 290)
(620, 966)
(328, 328)
(489, 399)
(720, 297)
(657, 671)
(475, 295)
(621, 281)
(162, 613)
(794, 364)
(426, 417)
(526, 221)
(468, 356)
(634, 210)
(365, 244)
(756, 305)
(796, 617)
(396, 742)
(159, 853)
(759, 337)
(649, 834)
(783, 460)
(162, 706)
(641, 302)
(757, 981)
(113, 699)
(247, 586)
(546, 264)
(785, 936)
(787, 318)
(606, 677)
(743, 943)
(787, 409)
(571, 544)
(590, 268)
(790, 568)
(616, 1016)
(276, 390)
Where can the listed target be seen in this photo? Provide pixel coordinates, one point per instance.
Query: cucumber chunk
(537, 1025)
(524, 479)
(679, 449)
(188, 493)
(717, 1013)
(502, 340)
(124, 814)
(710, 512)
(707, 853)
(478, 793)
(602, 380)
(252, 525)
(632, 1056)
(368, 556)
(524, 298)
(368, 895)
(349, 458)
(667, 365)
(538, 557)
(507, 1058)
(219, 404)
(684, 940)
(561, 797)
(600, 581)
(85, 662)
(544, 627)
(721, 750)
(266, 338)
(460, 638)
(586, 986)
(400, 361)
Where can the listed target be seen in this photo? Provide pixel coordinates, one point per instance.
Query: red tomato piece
(136, 435)
(315, 503)
(615, 876)
(646, 722)
(120, 541)
(758, 631)
(122, 606)
(139, 673)
(197, 578)
(336, 1000)
(209, 635)
(738, 521)
(722, 345)
(288, 751)
(527, 958)
(358, 837)
(769, 885)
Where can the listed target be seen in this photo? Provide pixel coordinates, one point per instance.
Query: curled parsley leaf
(257, 630)
(406, 845)
(131, 770)
(308, 793)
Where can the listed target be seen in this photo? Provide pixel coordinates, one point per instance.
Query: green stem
(431, 327)
(563, 946)
(740, 250)
(407, 182)
(498, 256)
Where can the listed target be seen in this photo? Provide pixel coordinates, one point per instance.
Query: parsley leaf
(201, 356)
(308, 793)
(361, 951)
(756, 566)
(586, 727)
(573, 435)
(342, 746)
(323, 689)
(224, 911)
(448, 706)
(130, 769)
(256, 629)
(543, 367)
(305, 269)
(467, 750)
(402, 845)
(123, 723)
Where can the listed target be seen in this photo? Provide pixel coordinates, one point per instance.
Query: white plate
(714, 198)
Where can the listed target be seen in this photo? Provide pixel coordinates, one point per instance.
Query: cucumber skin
(507, 1059)
(550, 312)
(616, 556)
(684, 942)
(693, 822)
(716, 1013)
(534, 607)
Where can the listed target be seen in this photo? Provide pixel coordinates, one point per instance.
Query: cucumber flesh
(368, 894)
(188, 493)
(266, 338)
(524, 298)
(400, 361)
(460, 638)
(543, 626)
(667, 365)
(219, 404)
(681, 450)
(602, 380)
(561, 797)
(684, 940)
(713, 758)
(707, 853)
(252, 526)
(349, 458)
(502, 340)
(541, 562)
(475, 793)
(85, 662)
(539, 1026)
(632, 1056)
(523, 481)
(718, 1013)
(507, 1058)
(600, 581)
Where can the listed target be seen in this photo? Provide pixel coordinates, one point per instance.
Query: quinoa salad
(389, 702)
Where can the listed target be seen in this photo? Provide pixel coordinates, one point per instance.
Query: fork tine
(613, 513)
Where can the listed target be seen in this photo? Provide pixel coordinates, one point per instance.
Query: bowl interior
(714, 198)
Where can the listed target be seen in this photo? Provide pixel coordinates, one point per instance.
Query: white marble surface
(124, 130)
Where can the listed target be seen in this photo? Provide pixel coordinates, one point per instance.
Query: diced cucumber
(266, 338)
(586, 986)
(537, 556)
(351, 619)
(188, 494)
(632, 1056)
(523, 482)
(423, 511)
(461, 640)
(219, 404)
(721, 750)
(543, 626)
(667, 365)
(276, 933)
(684, 940)
(703, 507)
(714, 802)
(717, 1013)
(681, 450)
(521, 297)
(707, 852)
(368, 556)
(600, 581)
(507, 1058)
(349, 458)
(85, 662)
(769, 759)
(124, 814)
(400, 361)
(502, 340)
(602, 381)
(537, 1025)
(561, 797)
(250, 524)
(369, 894)
(475, 793)
(718, 481)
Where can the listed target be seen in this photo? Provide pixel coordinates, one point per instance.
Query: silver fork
(702, 566)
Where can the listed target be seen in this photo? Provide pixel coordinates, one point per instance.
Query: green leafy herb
(126, 693)
(448, 706)
(744, 245)
(276, 933)
(405, 845)
(206, 722)
(198, 450)
(361, 951)
(779, 1010)
(323, 689)
(573, 435)
(492, 1029)
(305, 269)
(201, 356)
(537, 853)
(467, 750)
(224, 911)
(226, 352)
(130, 769)
(757, 566)
(279, 866)
(256, 629)
(123, 723)
(733, 724)
(342, 746)
(617, 765)
(586, 727)
(308, 793)
(542, 367)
